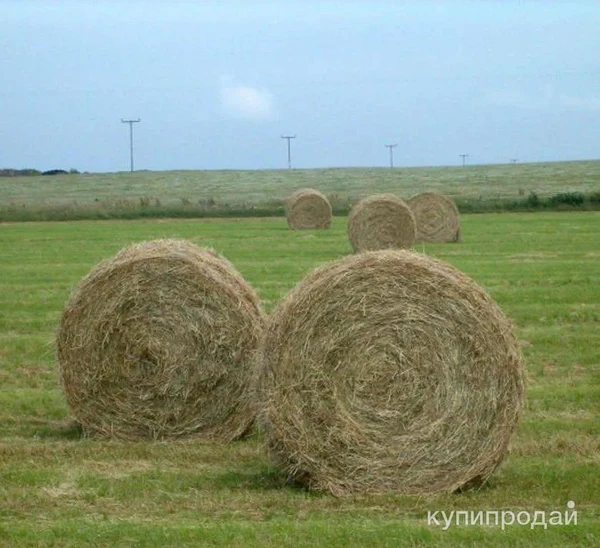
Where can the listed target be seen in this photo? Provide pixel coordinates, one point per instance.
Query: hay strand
(437, 217)
(308, 209)
(381, 221)
(390, 371)
(160, 341)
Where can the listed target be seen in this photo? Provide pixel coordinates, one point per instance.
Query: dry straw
(381, 221)
(160, 341)
(437, 217)
(389, 371)
(308, 209)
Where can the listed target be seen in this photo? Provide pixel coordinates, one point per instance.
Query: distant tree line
(9, 172)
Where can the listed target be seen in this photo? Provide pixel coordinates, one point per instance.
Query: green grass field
(59, 489)
(234, 193)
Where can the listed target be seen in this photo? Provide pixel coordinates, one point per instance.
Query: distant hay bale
(381, 221)
(437, 217)
(389, 371)
(160, 341)
(308, 209)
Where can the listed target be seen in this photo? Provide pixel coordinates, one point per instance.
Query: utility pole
(391, 147)
(463, 156)
(130, 122)
(289, 138)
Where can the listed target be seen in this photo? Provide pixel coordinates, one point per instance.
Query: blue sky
(216, 84)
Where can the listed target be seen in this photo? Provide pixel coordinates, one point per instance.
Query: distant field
(207, 193)
(57, 489)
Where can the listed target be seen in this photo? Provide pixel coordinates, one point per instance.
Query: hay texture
(389, 371)
(381, 221)
(437, 217)
(160, 341)
(308, 209)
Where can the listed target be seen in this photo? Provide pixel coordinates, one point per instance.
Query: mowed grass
(59, 489)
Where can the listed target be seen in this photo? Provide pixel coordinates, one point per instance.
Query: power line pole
(130, 122)
(391, 147)
(289, 138)
(463, 156)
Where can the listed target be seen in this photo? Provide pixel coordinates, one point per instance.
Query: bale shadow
(266, 480)
(68, 429)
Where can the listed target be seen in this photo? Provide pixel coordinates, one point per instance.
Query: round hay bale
(161, 341)
(381, 221)
(308, 209)
(389, 371)
(437, 217)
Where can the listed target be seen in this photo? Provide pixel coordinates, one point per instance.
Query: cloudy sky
(216, 84)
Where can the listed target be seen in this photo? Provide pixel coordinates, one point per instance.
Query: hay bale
(160, 341)
(437, 217)
(381, 221)
(308, 209)
(389, 371)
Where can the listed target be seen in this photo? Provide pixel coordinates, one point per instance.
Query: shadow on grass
(67, 429)
(265, 480)
(476, 485)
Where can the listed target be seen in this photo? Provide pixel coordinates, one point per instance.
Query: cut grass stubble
(542, 269)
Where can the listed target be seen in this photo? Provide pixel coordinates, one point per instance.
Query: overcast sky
(216, 84)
